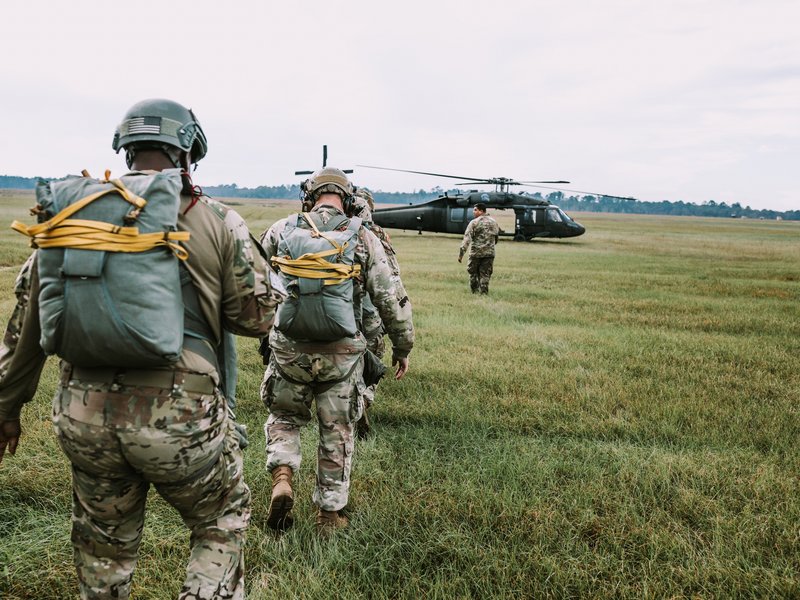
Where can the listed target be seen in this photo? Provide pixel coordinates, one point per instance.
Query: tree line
(612, 204)
(588, 203)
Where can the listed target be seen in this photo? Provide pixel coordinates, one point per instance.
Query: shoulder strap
(195, 327)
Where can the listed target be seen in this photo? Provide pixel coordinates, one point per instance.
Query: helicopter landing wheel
(519, 238)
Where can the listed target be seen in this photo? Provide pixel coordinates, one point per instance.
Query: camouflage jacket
(371, 321)
(376, 279)
(481, 235)
(230, 275)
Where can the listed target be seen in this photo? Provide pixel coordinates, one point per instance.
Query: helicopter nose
(579, 229)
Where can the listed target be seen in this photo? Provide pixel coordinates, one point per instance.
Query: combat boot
(280, 507)
(329, 521)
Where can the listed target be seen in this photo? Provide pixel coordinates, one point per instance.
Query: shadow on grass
(469, 428)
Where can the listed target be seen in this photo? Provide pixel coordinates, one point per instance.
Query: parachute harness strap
(313, 265)
(63, 232)
(195, 191)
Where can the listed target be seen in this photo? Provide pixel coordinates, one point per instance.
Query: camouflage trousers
(480, 272)
(297, 376)
(173, 434)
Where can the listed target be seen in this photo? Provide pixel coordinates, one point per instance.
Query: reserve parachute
(108, 263)
(317, 263)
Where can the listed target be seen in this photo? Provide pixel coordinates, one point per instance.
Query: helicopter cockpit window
(554, 215)
(457, 214)
(564, 216)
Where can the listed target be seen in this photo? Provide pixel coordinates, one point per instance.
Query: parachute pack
(317, 263)
(108, 262)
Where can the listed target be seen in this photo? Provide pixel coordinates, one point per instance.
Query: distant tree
(589, 203)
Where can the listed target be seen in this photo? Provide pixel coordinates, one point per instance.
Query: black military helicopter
(451, 213)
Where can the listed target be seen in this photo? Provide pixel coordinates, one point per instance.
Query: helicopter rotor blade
(312, 172)
(486, 180)
(583, 192)
(501, 181)
(424, 173)
(560, 181)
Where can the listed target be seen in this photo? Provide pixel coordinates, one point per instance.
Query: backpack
(317, 264)
(108, 261)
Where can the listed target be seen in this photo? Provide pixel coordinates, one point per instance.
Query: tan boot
(280, 507)
(329, 521)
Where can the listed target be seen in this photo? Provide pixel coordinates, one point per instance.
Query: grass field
(618, 419)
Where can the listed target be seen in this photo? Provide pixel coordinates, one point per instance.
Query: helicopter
(449, 213)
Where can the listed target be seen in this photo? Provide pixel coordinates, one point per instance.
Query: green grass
(618, 419)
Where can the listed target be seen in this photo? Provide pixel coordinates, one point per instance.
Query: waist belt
(351, 345)
(318, 387)
(165, 380)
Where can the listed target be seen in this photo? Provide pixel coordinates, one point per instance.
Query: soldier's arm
(467, 240)
(391, 257)
(269, 239)
(249, 296)
(21, 356)
(396, 316)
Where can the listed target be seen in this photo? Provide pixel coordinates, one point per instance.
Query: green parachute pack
(317, 263)
(108, 260)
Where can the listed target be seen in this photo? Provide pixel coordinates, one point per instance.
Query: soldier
(126, 428)
(316, 346)
(371, 325)
(482, 233)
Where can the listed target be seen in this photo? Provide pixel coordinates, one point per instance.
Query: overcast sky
(690, 100)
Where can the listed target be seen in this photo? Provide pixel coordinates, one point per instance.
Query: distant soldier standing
(481, 235)
(128, 413)
(328, 261)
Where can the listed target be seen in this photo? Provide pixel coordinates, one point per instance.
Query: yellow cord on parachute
(313, 265)
(63, 232)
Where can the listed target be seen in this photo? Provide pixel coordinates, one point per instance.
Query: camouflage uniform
(123, 429)
(301, 371)
(371, 324)
(481, 236)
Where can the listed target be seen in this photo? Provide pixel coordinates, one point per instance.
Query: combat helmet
(328, 180)
(359, 207)
(158, 121)
(366, 195)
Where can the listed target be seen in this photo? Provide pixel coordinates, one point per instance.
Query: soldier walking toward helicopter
(328, 262)
(481, 237)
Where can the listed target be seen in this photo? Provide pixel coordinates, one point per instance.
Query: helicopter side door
(530, 223)
(458, 217)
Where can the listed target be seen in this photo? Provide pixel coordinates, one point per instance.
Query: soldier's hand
(402, 367)
(9, 437)
(460, 257)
